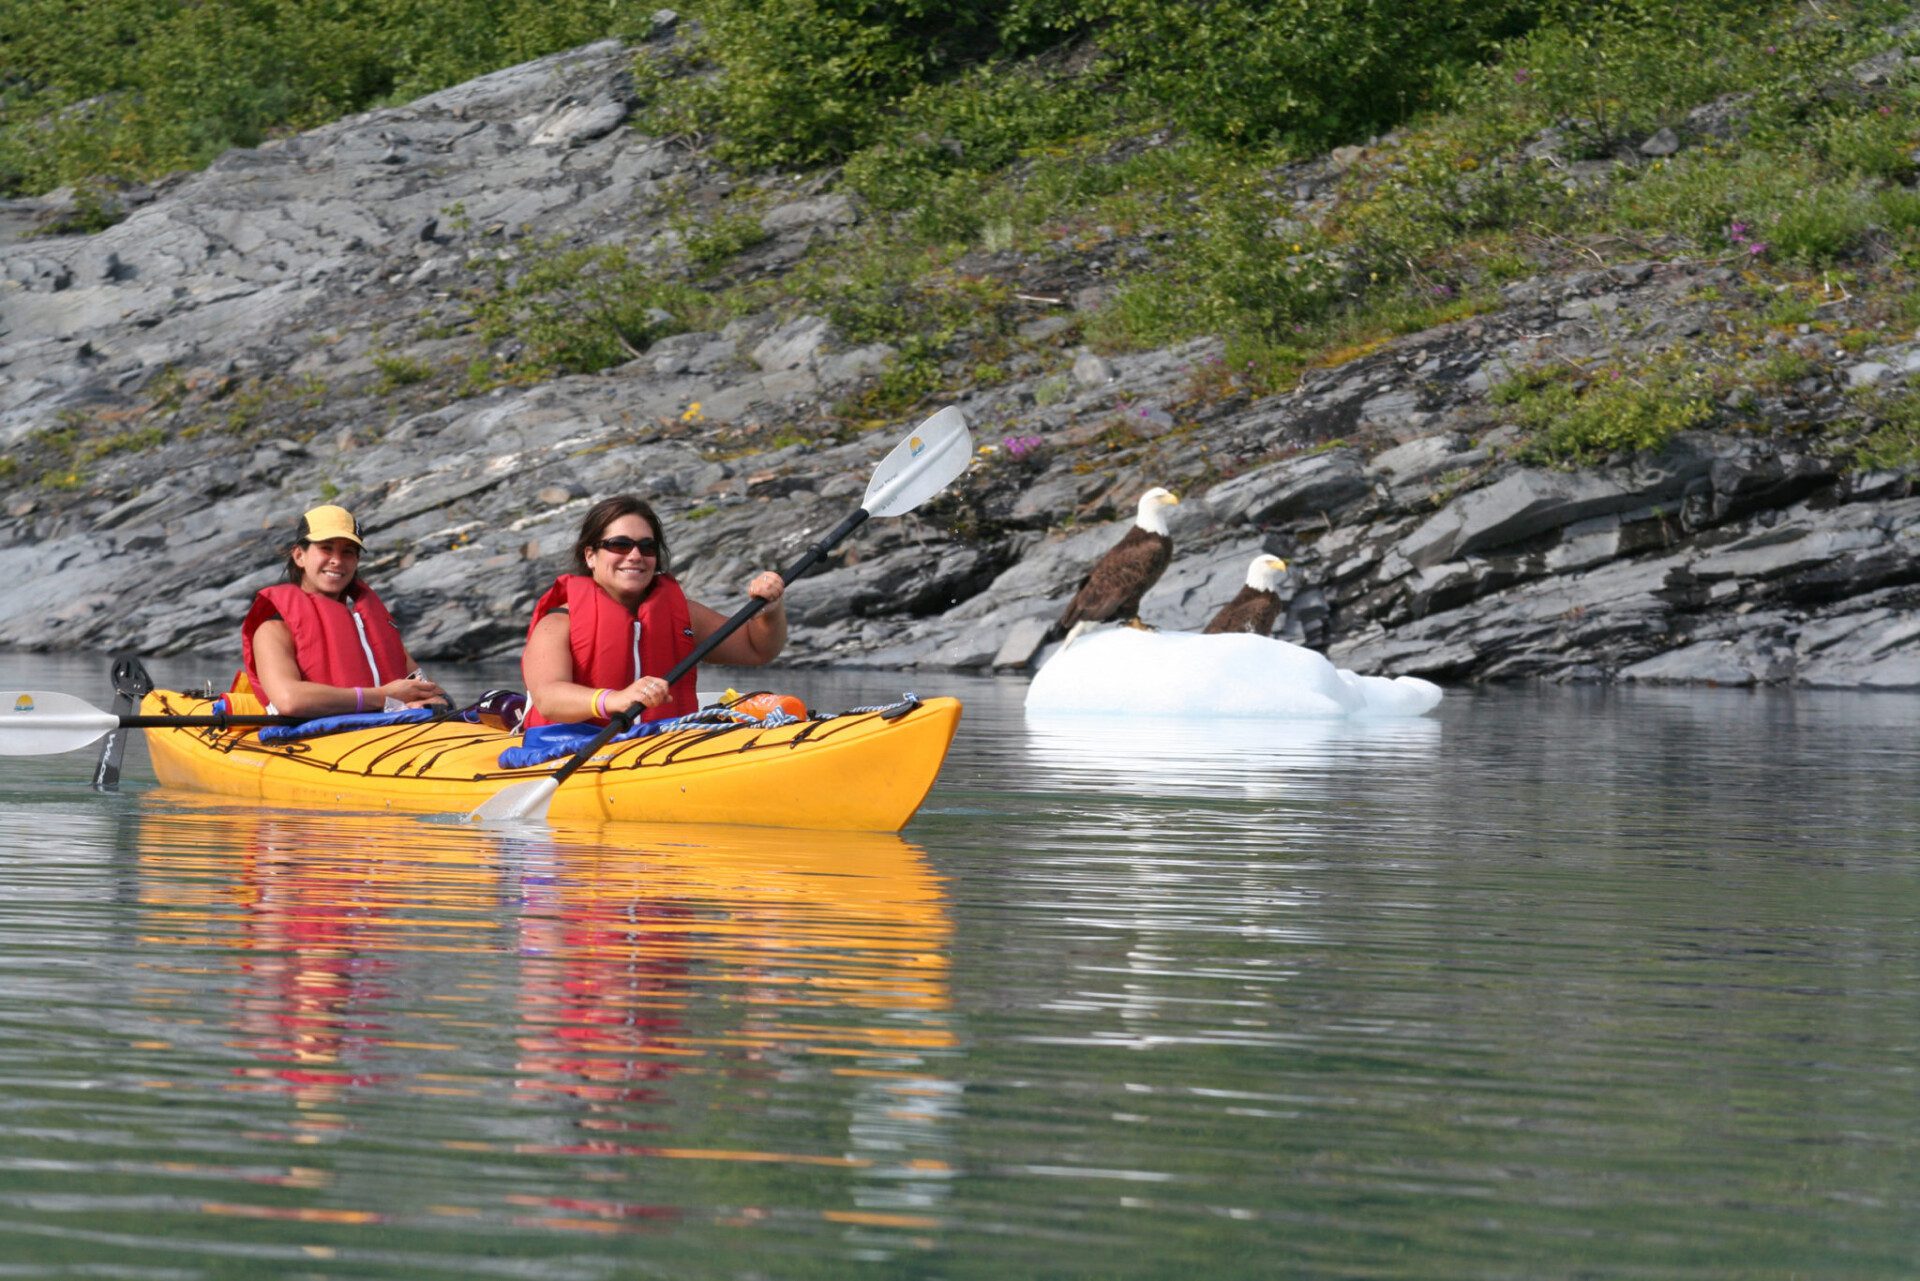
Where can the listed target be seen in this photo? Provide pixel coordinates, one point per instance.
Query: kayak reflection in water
(322, 643)
(604, 635)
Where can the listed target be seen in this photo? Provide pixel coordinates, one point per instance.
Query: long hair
(603, 514)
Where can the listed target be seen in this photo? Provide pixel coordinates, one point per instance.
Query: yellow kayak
(860, 771)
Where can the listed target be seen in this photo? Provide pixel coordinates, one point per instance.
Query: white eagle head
(1153, 509)
(1264, 574)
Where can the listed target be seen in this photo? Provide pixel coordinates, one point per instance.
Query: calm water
(1549, 984)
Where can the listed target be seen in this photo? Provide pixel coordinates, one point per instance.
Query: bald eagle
(1112, 589)
(1258, 604)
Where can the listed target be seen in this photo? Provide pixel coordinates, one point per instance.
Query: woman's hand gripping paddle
(918, 468)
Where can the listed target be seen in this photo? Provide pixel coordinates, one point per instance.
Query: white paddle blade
(40, 723)
(520, 801)
(921, 465)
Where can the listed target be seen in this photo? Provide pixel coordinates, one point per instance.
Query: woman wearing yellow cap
(322, 643)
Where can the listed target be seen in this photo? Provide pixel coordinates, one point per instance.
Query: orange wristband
(600, 703)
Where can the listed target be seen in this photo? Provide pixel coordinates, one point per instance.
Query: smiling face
(624, 576)
(328, 566)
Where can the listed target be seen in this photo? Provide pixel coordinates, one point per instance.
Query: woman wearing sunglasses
(604, 635)
(321, 643)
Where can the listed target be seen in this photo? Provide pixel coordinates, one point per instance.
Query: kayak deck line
(218, 735)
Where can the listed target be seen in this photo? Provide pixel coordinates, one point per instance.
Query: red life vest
(351, 643)
(606, 638)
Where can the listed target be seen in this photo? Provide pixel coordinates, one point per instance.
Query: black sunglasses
(622, 545)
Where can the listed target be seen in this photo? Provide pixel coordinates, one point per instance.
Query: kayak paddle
(41, 722)
(918, 468)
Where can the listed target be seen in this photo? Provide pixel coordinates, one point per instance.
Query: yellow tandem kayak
(859, 771)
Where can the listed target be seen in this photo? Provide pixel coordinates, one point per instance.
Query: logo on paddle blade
(915, 445)
(24, 703)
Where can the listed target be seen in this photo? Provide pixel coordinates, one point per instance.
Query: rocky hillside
(298, 324)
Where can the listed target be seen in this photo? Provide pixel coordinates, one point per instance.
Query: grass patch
(1893, 443)
(711, 242)
(131, 89)
(577, 311)
(398, 371)
(1584, 415)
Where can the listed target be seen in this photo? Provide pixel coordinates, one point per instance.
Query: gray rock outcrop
(276, 331)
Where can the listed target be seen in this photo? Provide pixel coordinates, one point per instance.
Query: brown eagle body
(1112, 589)
(1252, 610)
(1257, 605)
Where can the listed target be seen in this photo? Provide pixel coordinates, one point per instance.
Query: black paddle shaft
(207, 722)
(622, 720)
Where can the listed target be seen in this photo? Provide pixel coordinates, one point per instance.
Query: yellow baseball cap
(323, 523)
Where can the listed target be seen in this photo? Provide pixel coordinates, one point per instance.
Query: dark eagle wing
(1251, 611)
(1113, 587)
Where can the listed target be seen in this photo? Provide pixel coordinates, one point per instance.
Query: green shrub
(136, 440)
(1582, 416)
(1432, 191)
(976, 124)
(95, 208)
(133, 88)
(400, 371)
(1823, 225)
(1609, 73)
(806, 81)
(711, 241)
(809, 81)
(1790, 310)
(1233, 268)
(1894, 442)
(1787, 367)
(580, 310)
(1876, 142)
(1770, 207)
(1253, 71)
(1897, 210)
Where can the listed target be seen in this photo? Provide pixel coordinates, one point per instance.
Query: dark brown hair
(603, 514)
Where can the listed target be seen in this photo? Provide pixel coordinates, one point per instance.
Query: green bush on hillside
(1423, 219)
(578, 311)
(1607, 75)
(1583, 415)
(1314, 71)
(133, 88)
(810, 81)
(1174, 146)
(1893, 444)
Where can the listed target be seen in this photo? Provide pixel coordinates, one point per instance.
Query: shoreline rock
(1419, 545)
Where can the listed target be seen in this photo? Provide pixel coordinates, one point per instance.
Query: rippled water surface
(1548, 984)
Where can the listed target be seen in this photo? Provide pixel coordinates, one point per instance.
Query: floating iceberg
(1125, 671)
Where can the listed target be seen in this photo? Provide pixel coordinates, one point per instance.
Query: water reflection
(823, 949)
(591, 1004)
(319, 912)
(1619, 983)
(1188, 757)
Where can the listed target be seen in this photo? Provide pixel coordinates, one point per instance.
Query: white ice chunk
(1125, 671)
